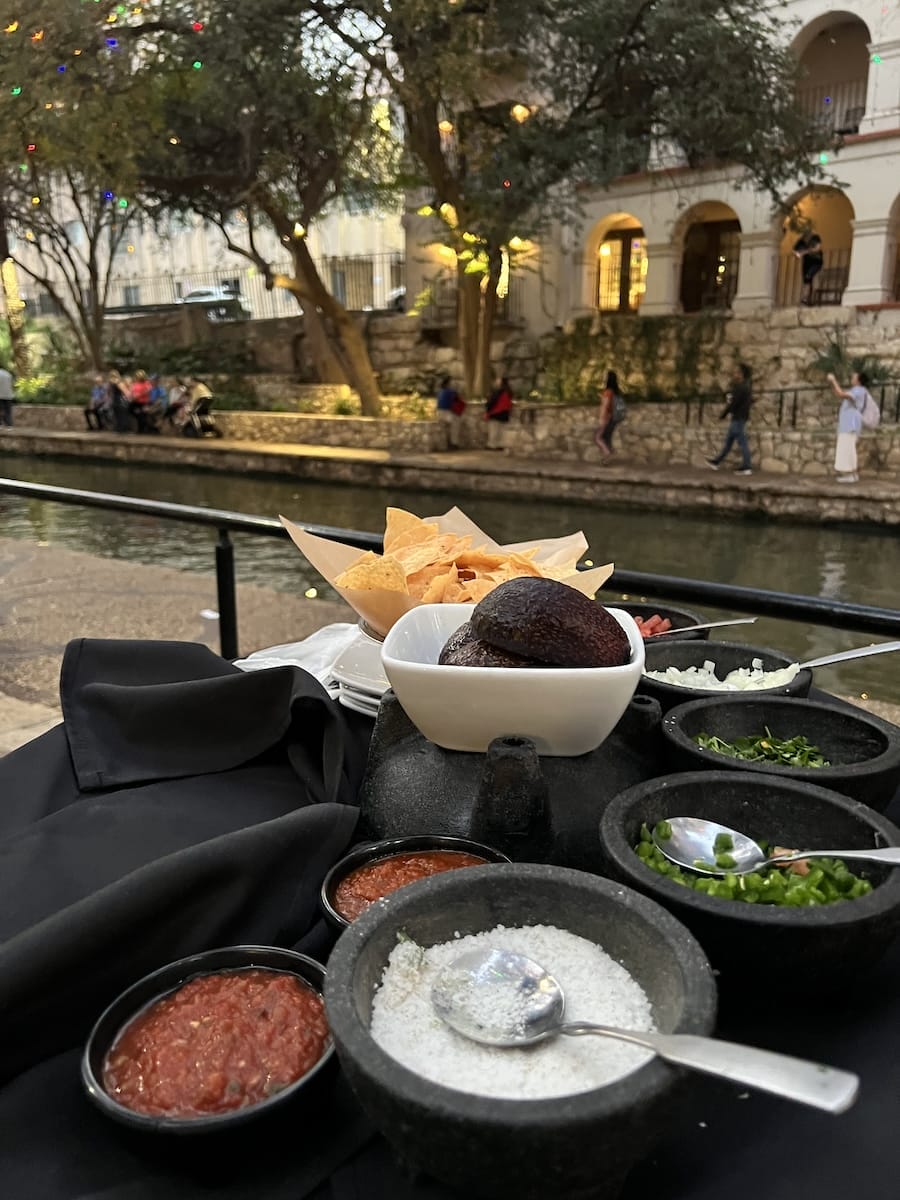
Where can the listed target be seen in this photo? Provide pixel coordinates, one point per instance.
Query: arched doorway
(710, 256)
(833, 52)
(893, 251)
(621, 265)
(828, 213)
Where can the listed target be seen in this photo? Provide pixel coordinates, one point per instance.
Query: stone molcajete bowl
(761, 946)
(682, 620)
(863, 752)
(573, 1146)
(728, 656)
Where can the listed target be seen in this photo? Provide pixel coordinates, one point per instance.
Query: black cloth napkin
(182, 805)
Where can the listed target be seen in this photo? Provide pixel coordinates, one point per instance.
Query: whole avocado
(551, 622)
(464, 649)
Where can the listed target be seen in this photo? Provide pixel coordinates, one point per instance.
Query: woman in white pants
(853, 401)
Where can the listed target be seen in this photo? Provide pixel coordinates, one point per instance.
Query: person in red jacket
(497, 411)
(141, 391)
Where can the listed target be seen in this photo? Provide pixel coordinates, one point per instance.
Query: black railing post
(780, 407)
(228, 628)
(794, 410)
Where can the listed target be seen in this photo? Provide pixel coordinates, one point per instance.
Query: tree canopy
(501, 114)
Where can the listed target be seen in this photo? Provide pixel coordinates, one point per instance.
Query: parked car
(222, 304)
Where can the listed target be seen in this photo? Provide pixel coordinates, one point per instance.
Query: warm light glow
(299, 230)
(605, 250)
(520, 113)
(445, 126)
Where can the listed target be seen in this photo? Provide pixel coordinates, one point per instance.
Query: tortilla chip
(436, 591)
(404, 528)
(374, 571)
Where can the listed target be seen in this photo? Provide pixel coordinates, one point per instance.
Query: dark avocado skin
(463, 649)
(551, 622)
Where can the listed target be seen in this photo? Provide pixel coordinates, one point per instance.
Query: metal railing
(792, 407)
(838, 108)
(828, 286)
(815, 610)
(360, 282)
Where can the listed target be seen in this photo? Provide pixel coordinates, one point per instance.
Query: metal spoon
(846, 655)
(500, 998)
(708, 625)
(693, 842)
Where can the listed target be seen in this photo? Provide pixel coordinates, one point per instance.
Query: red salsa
(377, 879)
(219, 1043)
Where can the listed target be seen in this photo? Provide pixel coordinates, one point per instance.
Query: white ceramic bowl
(564, 710)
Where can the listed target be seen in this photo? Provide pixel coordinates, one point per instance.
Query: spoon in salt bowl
(693, 845)
(499, 998)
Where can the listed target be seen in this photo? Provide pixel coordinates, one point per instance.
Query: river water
(841, 563)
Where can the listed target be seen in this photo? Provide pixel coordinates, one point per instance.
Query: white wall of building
(852, 58)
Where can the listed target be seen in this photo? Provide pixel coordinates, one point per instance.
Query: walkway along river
(850, 564)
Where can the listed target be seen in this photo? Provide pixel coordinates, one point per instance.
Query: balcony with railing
(838, 108)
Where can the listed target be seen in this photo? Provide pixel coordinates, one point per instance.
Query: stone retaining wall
(653, 435)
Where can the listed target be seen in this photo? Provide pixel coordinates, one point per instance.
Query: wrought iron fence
(790, 408)
(828, 286)
(837, 107)
(361, 282)
(812, 609)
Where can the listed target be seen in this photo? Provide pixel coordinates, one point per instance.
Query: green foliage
(835, 358)
(656, 358)
(48, 387)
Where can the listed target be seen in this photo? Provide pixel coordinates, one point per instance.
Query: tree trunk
(15, 319)
(12, 305)
(344, 336)
(468, 313)
(484, 369)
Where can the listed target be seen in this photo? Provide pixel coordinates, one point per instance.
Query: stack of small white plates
(360, 678)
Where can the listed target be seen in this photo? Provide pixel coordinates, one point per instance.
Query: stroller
(199, 420)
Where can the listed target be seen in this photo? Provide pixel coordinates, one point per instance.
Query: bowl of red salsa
(210, 1041)
(371, 872)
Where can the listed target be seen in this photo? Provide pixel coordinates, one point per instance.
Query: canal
(834, 562)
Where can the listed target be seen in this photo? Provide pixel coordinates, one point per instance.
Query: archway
(833, 52)
(828, 213)
(710, 256)
(893, 251)
(621, 264)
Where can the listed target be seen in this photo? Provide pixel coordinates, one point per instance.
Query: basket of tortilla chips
(438, 560)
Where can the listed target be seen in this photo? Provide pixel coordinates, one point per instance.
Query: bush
(48, 388)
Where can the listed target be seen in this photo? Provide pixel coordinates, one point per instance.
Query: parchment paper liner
(380, 608)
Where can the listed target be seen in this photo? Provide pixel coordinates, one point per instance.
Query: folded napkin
(182, 805)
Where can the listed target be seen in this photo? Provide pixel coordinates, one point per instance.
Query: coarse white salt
(596, 987)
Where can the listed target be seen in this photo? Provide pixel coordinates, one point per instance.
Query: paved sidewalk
(624, 484)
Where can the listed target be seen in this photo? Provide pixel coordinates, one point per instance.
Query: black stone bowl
(682, 619)
(572, 1146)
(769, 949)
(375, 851)
(728, 656)
(863, 751)
(168, 979)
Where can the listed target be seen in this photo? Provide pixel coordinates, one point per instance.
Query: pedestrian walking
(809, 250)
(497, 411)
(612, 414)
(450, 408)
(7, 397)
(853, 401)
(740, 399)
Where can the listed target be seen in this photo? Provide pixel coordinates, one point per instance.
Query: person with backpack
(740, 399)
(612, 414)
(858, 411)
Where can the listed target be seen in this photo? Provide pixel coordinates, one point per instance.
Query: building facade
(672, 239)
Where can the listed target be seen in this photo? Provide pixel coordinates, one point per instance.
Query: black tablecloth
(185, 805)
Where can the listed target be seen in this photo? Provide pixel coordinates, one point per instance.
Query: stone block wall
(656, 435)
